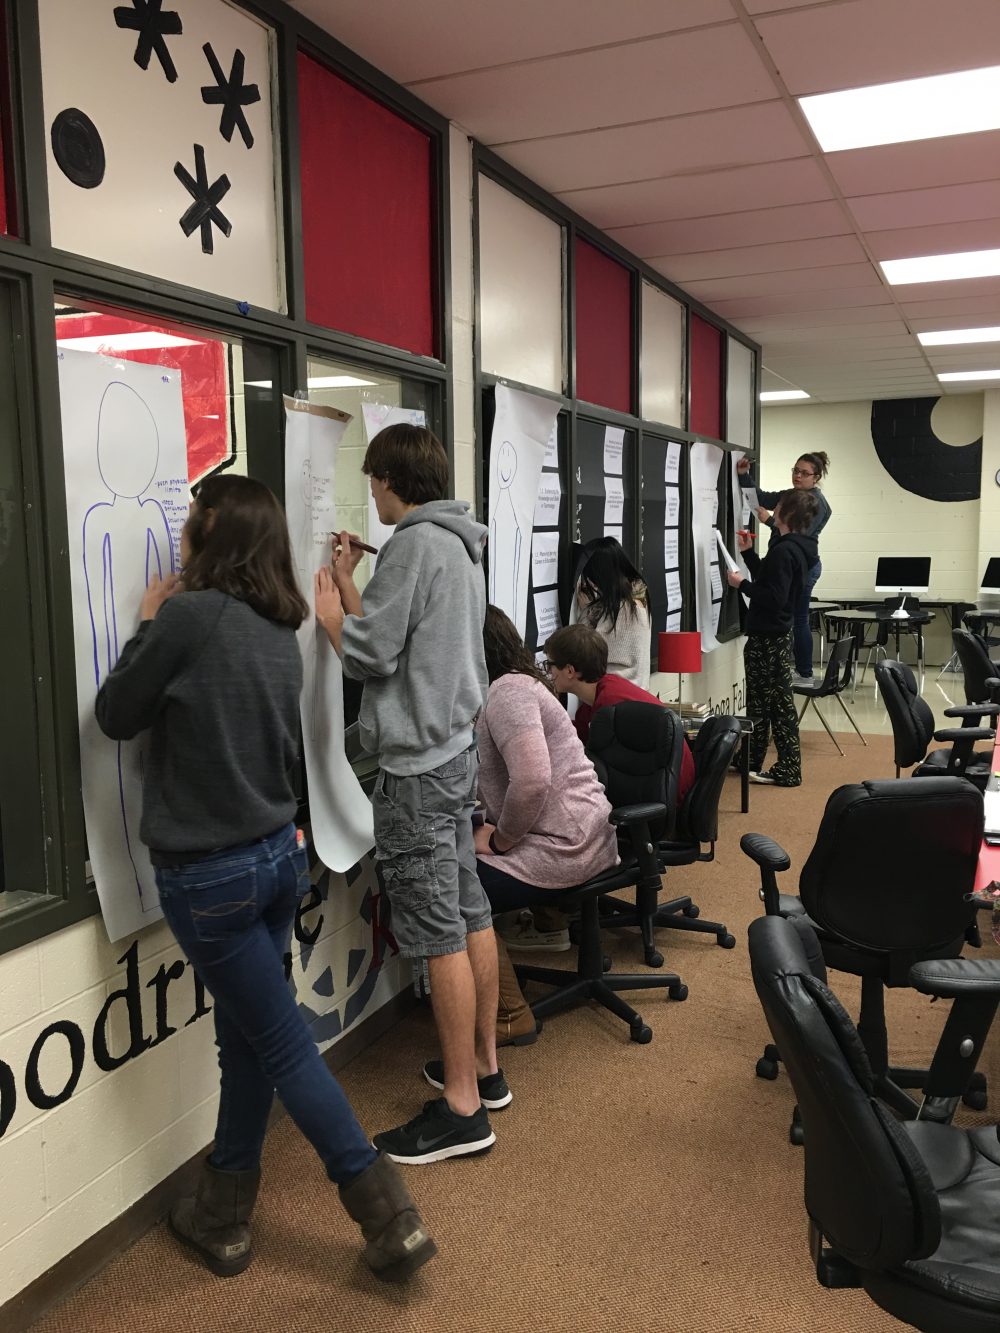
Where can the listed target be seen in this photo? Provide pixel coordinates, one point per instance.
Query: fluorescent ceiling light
(942, 268)
(782, 395)
(126, 342)
(932, 108)
(945, 337)
(955, 375)
(321, 382)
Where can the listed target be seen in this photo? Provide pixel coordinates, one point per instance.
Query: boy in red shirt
(577, 663)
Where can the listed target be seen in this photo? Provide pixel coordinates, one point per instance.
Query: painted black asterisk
(204, 211)
(147, 19)
(231, 94)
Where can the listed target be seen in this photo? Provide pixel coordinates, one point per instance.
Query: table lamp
(679, 651)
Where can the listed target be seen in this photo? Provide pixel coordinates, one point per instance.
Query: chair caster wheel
(975, 1099)
(678, 992)
(654, 958)
(640, 1032)
(771, 1052)
(767, 1069)
(605, 963)
(796, 1134)
(692, 910)
(727, 941)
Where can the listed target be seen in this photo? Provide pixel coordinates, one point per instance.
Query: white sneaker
(523, 934)
(803, 680)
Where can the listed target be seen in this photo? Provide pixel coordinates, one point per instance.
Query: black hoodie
(776, 581)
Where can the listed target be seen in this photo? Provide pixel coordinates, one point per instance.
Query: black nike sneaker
(436, 1133)
(493, 1090)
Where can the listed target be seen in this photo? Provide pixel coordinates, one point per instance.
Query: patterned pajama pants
(771, 706)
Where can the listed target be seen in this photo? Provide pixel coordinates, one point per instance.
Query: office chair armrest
(948, 978)
(969, 734)
(630, 815)
(973, 710)
(765, 851)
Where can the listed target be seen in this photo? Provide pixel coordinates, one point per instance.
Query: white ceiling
(673, 126)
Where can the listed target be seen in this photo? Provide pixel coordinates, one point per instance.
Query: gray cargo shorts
(423, 840)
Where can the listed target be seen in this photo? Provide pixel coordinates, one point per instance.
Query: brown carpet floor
(631, 1188)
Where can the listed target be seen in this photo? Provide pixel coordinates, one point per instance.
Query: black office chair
(977, 665)
(907, 1211)
(636, 750)
(713, 747)
(838, 675)
(913, 730)
(887, 884)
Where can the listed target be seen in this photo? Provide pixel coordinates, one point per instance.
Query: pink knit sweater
(538, 786)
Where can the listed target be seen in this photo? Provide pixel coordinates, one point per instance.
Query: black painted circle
(78, 148)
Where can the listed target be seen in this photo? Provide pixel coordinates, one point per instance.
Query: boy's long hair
(612, 583)
(411, 460)
(239, 545)
(505, 651)
(798, 509)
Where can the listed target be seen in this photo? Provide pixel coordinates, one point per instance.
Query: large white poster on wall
(706, 460)
(521, 429)
(159, 142)
(125, 461)
(376, 417)
(340, 812)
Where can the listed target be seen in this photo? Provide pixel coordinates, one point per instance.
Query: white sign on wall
(159, 141)
(340, 813)
(706, 460)
(125, 459)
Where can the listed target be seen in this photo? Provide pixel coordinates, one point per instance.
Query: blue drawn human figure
(126, 539)
(505, 535)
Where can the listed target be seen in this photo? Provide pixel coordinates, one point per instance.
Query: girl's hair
(819, 462)
(239, 545)
(609, 579)
(505, 651)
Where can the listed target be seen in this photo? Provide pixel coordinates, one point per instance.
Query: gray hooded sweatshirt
(418, 645)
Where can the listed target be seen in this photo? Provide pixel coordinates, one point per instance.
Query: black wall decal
(146, 17)
(916, 459)
(231, 94)
(203, 212)
(37, 1095)
(78, 148)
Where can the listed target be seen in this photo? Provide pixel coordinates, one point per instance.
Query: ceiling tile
(831, 300)
(954, 160)
(786, 327)
(944, 239)
(974, 309)
(825, 48)
(817, 318)
(755, 227)
(664, 76)
(766, 284)
(763, 132)
(944, 204)
(825, 250)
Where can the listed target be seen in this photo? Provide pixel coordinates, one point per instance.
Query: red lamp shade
(679, 651)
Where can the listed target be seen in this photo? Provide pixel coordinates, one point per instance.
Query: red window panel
(367, 214)
(201, 362)
(603, 329)
(706, 378)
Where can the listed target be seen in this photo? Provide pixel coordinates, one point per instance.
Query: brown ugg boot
(214, 1221)
(397, 1240)
(516, 1024)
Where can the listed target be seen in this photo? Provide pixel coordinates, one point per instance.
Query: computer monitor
(991, 579)
(903, 573)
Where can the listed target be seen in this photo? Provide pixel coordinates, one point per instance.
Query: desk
(857, 619)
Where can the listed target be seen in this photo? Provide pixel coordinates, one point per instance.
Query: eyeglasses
(802, 472)
(548, 667)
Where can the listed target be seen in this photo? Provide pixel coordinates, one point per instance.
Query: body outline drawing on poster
(504, 529)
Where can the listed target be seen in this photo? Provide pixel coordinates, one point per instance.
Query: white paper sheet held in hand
(125, 461)
(521, 427)
(731, 564)
(751, 498)
(340, 812)
(544, 558)
(614, 445)
(376, 417)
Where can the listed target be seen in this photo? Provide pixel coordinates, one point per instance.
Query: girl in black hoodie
(772, 591)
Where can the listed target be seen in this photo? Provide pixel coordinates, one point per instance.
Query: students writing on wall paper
(415, 637)
(807, 472)
(612, 599)
(773, 590)
(546, 813)
(214, 672)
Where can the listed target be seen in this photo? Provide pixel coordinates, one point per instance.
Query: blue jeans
(232, 914)
(802, 638)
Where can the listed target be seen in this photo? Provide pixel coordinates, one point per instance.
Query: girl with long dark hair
(214, 673)
(612, 599)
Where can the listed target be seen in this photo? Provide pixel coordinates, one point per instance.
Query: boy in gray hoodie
(415, 637)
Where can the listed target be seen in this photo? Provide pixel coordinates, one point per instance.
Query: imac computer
(991, 578)
(903, 574)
